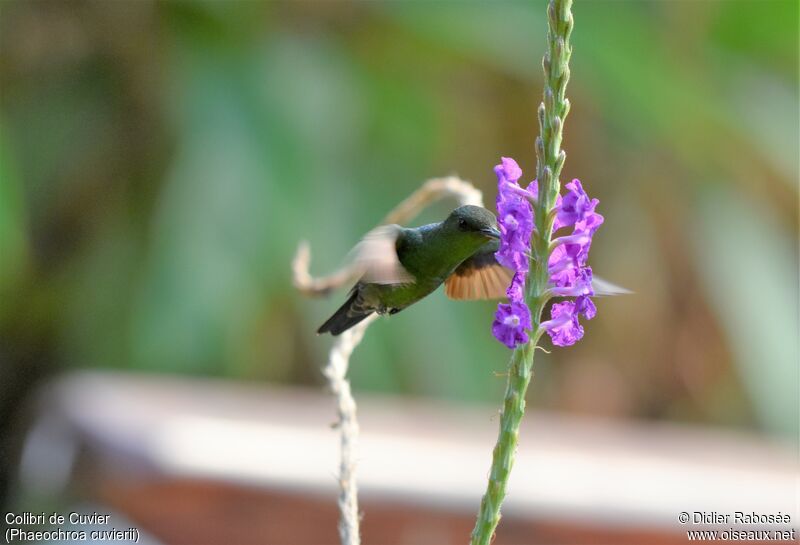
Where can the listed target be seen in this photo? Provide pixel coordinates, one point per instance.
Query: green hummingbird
(400, 266)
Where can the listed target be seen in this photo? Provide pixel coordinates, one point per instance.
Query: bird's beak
(491, 232)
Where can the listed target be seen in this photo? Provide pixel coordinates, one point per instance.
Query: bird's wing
(375, 257)
(482, 277)
(479, 277)
(604, 287)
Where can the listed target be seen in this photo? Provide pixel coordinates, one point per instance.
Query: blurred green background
(160, 162)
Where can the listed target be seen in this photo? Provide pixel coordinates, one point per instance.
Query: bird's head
(474, 221)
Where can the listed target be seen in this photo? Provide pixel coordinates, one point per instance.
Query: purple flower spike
(567, 265)
(511, 323)
(514, 216)
(515, 220)
(569, 274)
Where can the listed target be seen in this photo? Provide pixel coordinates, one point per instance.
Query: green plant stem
(519, 376)
(550, 160)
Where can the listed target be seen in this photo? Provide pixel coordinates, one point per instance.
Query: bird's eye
(462, 224)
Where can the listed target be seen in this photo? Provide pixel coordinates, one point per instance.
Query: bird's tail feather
(344, 318)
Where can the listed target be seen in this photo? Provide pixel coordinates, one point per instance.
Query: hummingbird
(400, 266)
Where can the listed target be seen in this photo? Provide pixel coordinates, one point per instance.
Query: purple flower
(575, 206)
(511, 322)
(508, 170)
(565, 257)
(572, 282)
(516, 225)
(567, 263)
(585, 307)
(515, 220)
(570, 276)
(563, 327)
(516, 291)
(514, 217)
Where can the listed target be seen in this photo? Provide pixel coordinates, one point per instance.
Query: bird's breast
(385, 297)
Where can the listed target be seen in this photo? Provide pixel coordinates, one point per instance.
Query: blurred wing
(479, 277)
(604, 287)
(375, 257)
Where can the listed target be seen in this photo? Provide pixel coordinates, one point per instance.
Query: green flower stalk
(397, 267)
(550, 160)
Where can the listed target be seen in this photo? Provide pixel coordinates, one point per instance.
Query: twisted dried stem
(336, 373)
(335, 370)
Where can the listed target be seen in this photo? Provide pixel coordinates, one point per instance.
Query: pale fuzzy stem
(338, 360)
(313, 287)
(431, 191)
(552, 113)
(336, 373)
